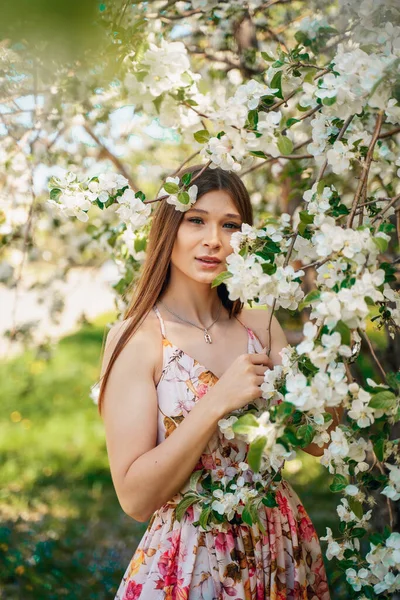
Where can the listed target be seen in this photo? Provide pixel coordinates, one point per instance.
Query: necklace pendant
(207, 337)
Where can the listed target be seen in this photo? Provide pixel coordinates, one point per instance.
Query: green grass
(62, 532)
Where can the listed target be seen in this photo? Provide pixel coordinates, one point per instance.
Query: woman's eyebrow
(200, 210)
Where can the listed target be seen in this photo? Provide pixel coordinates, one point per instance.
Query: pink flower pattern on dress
(179, 560)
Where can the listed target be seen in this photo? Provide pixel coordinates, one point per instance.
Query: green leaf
(355, 506)
(292, 121)
(379, 448)
(246, 515)
(245, 423)
(284, 409)
(327, 417)
(267, 57)
(258, 153)
(255, 452)
(381, 243)
(301, 37)
(393, 380)
(311, 297)
(277, 83)
(285, 145)
(140, 195)
(329, 101)
(269, 268)
(305, 217)
(204, 516)
(202, 136)
(320, 186)
(269, 500)
(252, 119)
(194, 479)
(157, 102)
(338, 484)
(186, 178)
(358, 532)
(220, 278)
(187, 501)
(376, 538)
(306, 433)
(383, 400)
(184, 197)
(171, 188)
(55, 193)
(386, 228)
(140, 244)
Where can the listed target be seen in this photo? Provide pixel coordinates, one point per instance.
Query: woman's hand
(241, 382)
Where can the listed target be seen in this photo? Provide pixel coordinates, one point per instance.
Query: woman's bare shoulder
(258, 318)
(144, 340)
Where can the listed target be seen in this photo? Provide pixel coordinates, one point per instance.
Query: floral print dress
(179, 560)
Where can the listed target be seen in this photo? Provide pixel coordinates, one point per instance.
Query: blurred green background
(63, 533)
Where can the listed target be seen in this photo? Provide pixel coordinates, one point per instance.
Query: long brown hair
(156, 268)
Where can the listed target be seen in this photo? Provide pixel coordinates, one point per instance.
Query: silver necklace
(207, 336)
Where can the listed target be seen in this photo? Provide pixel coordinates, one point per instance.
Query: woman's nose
(212, 236)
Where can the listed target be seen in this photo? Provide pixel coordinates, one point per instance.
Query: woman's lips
(208, 264)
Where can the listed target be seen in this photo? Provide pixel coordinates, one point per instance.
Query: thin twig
(269, 327)
(118, 164)
(317, 263)
(271, 159)
(365, 167)
(382, 136)
(381, 213)
(191, 182)
(368, 341)
(309, 113)
(339, 137)
(185, 162)
(388, 501)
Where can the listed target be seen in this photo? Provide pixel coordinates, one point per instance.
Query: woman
(181, 361)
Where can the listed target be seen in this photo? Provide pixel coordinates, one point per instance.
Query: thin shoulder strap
(155, 307)
(245, 326)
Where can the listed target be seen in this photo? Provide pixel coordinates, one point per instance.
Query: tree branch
(381, 213)
(365, 167)
(117, 163)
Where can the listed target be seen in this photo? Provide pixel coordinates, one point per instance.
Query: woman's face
(205, 230)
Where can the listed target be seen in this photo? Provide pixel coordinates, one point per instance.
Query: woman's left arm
(279, 341)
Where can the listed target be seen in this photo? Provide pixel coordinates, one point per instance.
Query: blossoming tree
(310, 101)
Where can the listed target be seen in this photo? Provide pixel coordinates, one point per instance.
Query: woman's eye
(196, 219)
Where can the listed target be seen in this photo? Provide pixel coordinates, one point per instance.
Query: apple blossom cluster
(312, 25)
(162, 68)
(74, 198)
(259, 426)
(233, 494)
(230, 150)
(248, 281)
(354, 81)
(337, 549)
(382, 569)
(250, 275)
(371, 24)
(176, 194)
(392, 490)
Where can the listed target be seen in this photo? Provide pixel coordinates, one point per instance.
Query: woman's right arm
(145, 475)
